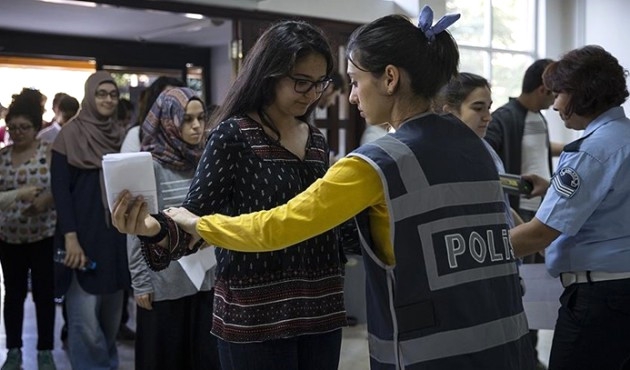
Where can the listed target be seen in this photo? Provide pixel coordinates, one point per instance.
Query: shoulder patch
(566, 182)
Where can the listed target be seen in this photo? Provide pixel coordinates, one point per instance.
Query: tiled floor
(354, 345)
(354, 355)
(29, 337)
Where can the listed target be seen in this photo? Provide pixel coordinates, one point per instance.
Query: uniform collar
(609, 115)
(612, 114)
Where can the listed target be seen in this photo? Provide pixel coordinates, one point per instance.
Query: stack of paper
(133, 172)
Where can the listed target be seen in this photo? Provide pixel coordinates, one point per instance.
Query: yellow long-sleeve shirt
(350, 186)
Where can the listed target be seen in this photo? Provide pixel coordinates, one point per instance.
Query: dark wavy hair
(457, 90)
(25, 106)
(394, 40)
(592, 77)
(272, 57)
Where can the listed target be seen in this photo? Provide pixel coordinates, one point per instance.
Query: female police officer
(585, 214)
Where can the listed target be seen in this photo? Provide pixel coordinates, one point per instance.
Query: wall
(220, 73)
(574, 23)
(561, 29)
(605, 25)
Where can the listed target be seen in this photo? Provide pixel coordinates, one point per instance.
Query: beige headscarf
(86, 138)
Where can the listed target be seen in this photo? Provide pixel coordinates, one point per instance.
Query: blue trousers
(93, 322)
(304, 352)
(592, 331)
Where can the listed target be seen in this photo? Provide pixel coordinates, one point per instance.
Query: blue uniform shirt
(589, 200)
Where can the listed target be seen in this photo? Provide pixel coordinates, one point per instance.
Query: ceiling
(112, 22)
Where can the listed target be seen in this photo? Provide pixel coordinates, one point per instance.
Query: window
(49, 76)
(497, 40)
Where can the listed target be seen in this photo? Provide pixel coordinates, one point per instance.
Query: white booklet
(197, 264)
(131, 171)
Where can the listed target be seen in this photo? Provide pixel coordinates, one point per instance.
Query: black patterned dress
(268, 295)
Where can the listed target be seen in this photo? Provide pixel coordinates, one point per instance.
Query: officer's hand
(540, 185)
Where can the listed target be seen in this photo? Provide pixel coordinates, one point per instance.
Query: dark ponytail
(394, 40)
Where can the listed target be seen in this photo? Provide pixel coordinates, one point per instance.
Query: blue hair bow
(425, 22)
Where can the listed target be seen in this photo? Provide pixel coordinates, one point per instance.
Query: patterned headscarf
(161, 130)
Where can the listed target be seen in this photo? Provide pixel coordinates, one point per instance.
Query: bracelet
(162, 220)
(178, 245)
(157, 257)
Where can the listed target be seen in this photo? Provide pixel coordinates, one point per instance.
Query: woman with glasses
(174, 316)
(93, 298)
(26, 233)
(271, 310)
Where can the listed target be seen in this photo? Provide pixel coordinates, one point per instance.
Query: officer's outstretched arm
(531, 237)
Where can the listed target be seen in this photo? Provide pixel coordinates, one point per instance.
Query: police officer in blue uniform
(585, 213)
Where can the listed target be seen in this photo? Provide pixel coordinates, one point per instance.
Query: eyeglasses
(22, 128)
(303, 86)
(102, 94)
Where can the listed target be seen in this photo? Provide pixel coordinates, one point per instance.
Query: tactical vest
(453, 299)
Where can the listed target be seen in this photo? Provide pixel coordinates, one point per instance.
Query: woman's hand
(131, 216)
(27, 193)
(145, 301)
(75, 257)
(185, 219)
(41, 203)
(540, 185)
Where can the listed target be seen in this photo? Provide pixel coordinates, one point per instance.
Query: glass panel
(474, 61)
(473, 27)
(513, 24)
(194, 80)
(507, 76)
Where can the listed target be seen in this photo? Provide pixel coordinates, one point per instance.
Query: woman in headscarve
(174, 315)
(93, 298)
